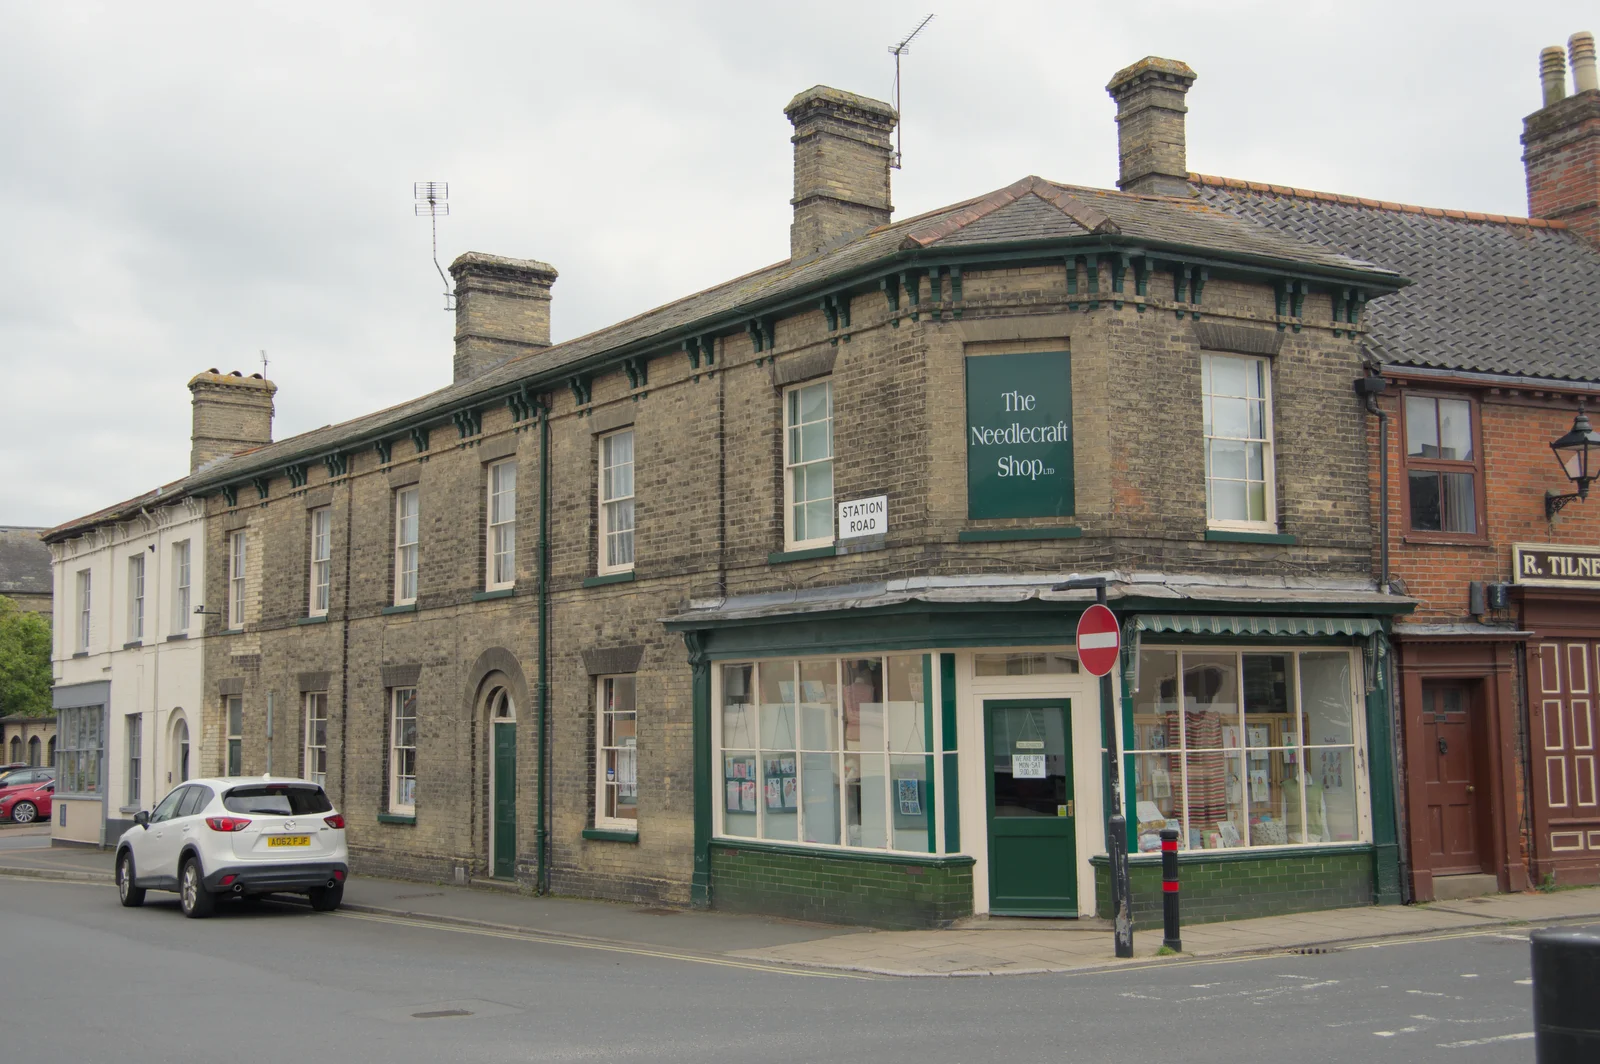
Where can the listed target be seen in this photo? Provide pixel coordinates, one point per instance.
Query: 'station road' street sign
(1098, 640)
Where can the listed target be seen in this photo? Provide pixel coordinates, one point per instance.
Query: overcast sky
(185, 185)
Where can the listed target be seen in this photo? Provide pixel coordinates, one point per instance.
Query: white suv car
(241, 836)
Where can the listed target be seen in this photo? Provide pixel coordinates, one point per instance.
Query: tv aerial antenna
(433, 202)
(898, 50)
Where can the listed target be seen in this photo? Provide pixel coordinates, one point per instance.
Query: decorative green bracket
(701, 347)
(830, 311)
(638, 370)
(296, 472)
(261, 484)
(955, 288)
(911, 281)
(1141, 278)
(468, 421)
(1297, 301)
(1180, 283)
(891, 294)
(338, 463)
(1091, 264)
(230, 494)
(582, 393)
(1119, 272)
(419, 438)
(1347, 306)
(1198, 276)
(523, 405)
(1072, 281)
(385, 451)
(836, 308)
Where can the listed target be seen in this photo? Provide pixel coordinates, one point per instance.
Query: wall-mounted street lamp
(1579, 454)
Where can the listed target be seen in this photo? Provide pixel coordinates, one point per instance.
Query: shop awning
(1211, 624)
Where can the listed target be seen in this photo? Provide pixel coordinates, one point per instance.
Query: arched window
(16, 749)
(33, 751)
(52, 750)
(180, 751)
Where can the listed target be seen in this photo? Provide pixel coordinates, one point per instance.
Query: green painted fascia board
(410, 607)
(396, 818)
(780, 557)
(613, 578)
(610, 835)
(487, 596)
(931, 860)
(1220, 535)
(1243, 853)
(1004, 535)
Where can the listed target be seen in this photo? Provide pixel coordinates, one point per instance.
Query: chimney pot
(1151, 147)
(1553, 75)
(502, 310)
(1581, 48)
(842, 154)
(232, 413)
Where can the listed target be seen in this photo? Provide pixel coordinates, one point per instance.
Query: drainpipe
(1369, 388)
(543, 830)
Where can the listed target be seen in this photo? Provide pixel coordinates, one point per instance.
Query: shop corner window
(617, 759)
(1238, 749)
(616, 503)
(403, 750)
(1237, 397)
(406, 529)
(808, 466)
(1443, 465)
(500, 544)
(827, 752)
(81, 750)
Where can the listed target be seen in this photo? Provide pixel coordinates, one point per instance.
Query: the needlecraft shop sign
(1019, 435)
(1542, 565)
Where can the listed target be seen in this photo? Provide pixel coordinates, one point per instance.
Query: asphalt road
(85, 980)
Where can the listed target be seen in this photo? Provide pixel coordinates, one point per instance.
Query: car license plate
(274, 841)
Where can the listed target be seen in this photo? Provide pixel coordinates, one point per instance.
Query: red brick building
(1484, 361)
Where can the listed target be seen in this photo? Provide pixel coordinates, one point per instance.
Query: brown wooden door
(1455, 799)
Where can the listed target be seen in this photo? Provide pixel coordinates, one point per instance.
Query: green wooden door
(505, 800)
(1033, 867)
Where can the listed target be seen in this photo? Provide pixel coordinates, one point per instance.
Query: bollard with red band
(1169, 890)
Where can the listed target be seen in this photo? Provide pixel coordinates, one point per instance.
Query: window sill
(130, 644)
(397, 818)
(611, 835)
(409, 607)
(81, 654)
(233, 631)
(1436, 539)
(613, 578)
(1005, 535)
(497, 593)
(321, 618)
(128, 809)
(1224, 535)
(177, 637)
(782, 557)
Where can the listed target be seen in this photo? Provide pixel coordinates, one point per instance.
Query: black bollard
(1566, 986)
(1169, 890)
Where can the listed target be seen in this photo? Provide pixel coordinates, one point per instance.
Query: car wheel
(197, 901)
(24, 812)
(132, 896)
(327, 899)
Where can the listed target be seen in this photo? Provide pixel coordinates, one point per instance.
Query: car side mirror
(142, 818)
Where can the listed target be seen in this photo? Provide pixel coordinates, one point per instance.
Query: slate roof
(1491, 293)
(24, 562)
(121, 511)
(1031, 209)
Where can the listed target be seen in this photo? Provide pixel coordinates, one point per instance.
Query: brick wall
(1242, 886)
(840, 890)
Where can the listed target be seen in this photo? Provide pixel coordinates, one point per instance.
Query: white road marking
(1524, 982)
(1469, 975)
(1521, 1036)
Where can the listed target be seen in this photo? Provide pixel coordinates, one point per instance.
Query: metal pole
(1169, 890)
(1116, 823)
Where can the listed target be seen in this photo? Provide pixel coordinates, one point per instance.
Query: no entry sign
(1098, 640)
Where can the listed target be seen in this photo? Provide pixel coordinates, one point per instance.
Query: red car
(27, 804)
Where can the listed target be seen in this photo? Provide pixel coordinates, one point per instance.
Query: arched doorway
(502, 784)
(33, 751)
(179, 750)
(16, 749)
(51, 751)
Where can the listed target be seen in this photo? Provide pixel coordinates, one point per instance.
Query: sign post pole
(1099, 645)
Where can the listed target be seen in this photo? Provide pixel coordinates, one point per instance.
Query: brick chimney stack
(1561, 142)
(502, 310)
(1151, 148)
(232, 413)
(842, 153)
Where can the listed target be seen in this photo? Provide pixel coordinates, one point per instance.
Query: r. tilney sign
(1019, 435)
(1552, 566)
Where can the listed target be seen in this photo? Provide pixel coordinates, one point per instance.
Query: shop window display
(1238, 749)
(827, 751)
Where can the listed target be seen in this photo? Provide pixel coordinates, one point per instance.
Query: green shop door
(1033, 844)
(505, 799)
